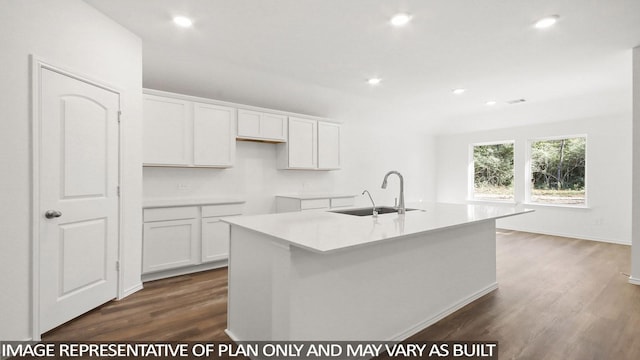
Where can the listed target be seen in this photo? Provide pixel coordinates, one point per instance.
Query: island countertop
(326, 231)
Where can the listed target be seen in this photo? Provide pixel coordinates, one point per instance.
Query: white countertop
(172, 202)
(311, 196)
(325, 231)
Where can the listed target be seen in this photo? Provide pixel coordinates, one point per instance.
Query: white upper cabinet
(303, 149)
(254, 125)
(311, 145)
(184, 133)
(328, 145)
(167, 131)
(213, 135)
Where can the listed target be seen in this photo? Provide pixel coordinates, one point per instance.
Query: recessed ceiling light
(183, 21)
(374, 81)
(546, 22)
(400, 19)
(458, 91)
(491, 103)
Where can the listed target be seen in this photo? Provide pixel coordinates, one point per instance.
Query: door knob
(51, 214)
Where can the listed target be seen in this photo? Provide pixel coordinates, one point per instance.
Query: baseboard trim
(425, 323)
(634, 281)
(231, 335)
(444, 313)
(135, 288)
(184, 270)
(567, 235)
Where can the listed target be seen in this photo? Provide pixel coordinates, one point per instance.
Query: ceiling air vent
(516, 101)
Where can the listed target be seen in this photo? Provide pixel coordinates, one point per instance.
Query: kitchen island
(322, 275)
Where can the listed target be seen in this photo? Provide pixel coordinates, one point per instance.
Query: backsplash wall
(367, 154)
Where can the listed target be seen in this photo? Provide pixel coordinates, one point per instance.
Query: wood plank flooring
(559, 298)
(184, 308)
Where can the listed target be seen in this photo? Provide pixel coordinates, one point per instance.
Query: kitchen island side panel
(258, 271)
(385, 291)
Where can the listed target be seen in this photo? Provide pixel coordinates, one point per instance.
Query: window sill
(493, 202)
(562, 206)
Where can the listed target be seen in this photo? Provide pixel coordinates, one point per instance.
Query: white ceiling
(314, 57)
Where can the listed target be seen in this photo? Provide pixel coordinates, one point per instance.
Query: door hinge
(118, 265)
(119, 116)
(118, 190)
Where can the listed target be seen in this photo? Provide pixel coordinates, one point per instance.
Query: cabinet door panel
(215, 239)
(170, 244)
(302, 143)
(167, 131)
(248, 123)
(273, 127)
(328, 145)
(213, 133)
(262, 126)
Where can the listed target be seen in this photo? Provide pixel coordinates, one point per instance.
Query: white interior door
(78, 180)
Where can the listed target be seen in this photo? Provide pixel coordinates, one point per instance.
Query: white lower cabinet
(291, 203)
(183, 239)
(215, 239)
(170, 244)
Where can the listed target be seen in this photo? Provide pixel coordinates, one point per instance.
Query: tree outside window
(558, 171)
(493, 171)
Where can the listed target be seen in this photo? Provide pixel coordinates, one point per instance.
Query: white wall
(368, 152)
(608, 178)
(73, 35)
(635, 249)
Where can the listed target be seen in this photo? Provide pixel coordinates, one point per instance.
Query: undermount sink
(369, 211)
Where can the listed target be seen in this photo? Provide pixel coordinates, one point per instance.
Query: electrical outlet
(183, 186)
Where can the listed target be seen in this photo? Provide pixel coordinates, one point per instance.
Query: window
(493, 171)
(558, 169)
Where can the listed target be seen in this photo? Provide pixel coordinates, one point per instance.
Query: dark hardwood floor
(184, 308)
(559, 298)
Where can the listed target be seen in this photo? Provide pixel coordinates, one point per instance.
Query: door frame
(36, 65)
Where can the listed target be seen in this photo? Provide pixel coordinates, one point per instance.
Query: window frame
(528, 173)
(471, 173)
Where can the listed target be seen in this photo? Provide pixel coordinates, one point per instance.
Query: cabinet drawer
(314, 204)
(171, 213)
(221, 210)
(339, 202)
